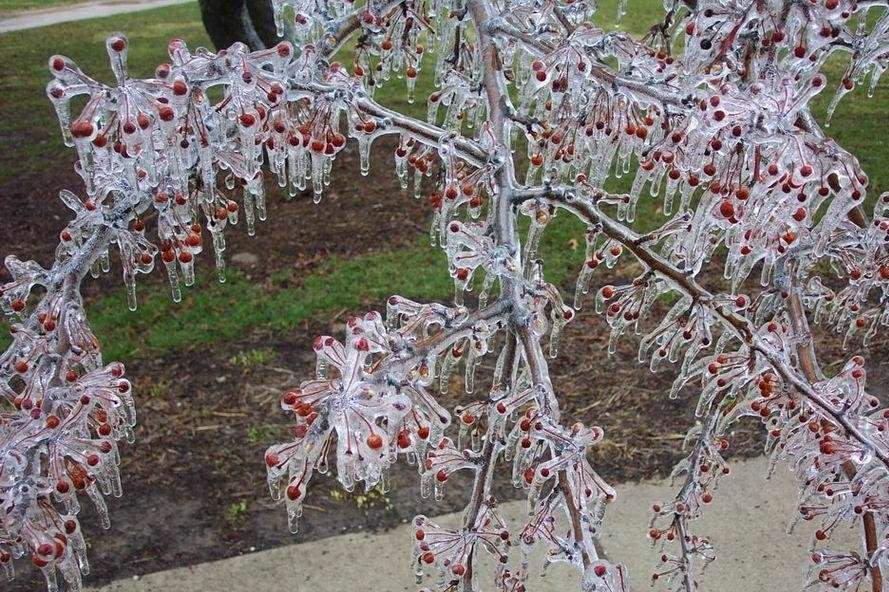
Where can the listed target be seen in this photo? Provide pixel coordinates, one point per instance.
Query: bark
(249, 21)
(263, 20)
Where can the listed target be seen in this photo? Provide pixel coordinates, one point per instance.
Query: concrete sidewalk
(746, 523)
(78, 12)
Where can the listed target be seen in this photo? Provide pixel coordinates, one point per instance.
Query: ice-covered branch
(742, 327)
(722, 129)
(68, 408)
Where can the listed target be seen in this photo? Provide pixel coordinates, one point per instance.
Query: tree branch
(742, 327)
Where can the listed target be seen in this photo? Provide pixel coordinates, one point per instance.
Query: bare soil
(194, 482)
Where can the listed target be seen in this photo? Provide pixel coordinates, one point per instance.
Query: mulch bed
(194, 481)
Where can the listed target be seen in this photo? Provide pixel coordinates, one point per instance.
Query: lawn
(214, 312)
(8, 7)
(30, 129)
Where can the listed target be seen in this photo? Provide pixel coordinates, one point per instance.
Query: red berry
(82, 129)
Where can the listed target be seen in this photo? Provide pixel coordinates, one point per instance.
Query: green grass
(30, 131)
(211, 312)
(214, 313)
(252, 358)
(8, 7)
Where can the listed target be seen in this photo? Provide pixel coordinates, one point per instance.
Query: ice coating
(709, 114)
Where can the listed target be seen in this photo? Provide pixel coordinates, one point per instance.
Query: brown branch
(805, 351)
(598, 70)
(574, 513)
(344, 29)
(743, 328)
(563, 20)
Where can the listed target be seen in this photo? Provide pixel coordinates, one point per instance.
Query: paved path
(746, 522)
(78, 12)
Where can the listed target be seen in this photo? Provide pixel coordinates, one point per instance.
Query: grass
(212, 312)
(8, 7)
(30, 132)
(236, 512)
(252, 358)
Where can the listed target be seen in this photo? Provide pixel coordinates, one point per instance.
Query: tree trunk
(249, 21)
(263, 19)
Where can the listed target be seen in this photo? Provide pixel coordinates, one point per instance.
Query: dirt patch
(194, 482)
(357, 215)
(195, 485)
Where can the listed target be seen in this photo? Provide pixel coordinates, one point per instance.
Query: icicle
(130, 281)
(317, 177)
(364, 142)
(583, 283)
(174, 279)
(249, 213)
